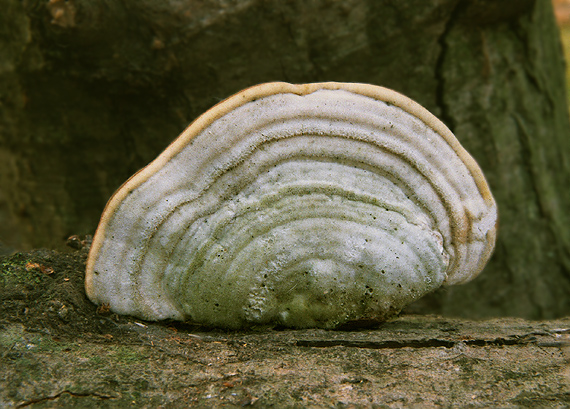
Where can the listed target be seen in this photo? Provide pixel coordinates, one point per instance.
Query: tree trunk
(90, 91)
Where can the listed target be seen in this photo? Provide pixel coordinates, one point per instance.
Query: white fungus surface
(300, 205)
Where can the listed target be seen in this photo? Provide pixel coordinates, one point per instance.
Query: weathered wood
(92, 91)
(59, 350)
(411, 362)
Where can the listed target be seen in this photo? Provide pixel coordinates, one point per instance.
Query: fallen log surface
(59, 350)
(425, 361)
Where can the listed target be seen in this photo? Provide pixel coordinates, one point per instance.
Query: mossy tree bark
(59, 350)
(92, 91)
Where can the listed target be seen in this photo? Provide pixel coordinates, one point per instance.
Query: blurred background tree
(91, 91)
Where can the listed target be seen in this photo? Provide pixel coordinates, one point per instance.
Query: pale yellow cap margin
(264, 90)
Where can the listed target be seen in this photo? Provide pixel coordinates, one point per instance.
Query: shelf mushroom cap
(306, 205)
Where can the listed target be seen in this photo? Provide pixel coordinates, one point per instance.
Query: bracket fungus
(306, 205)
